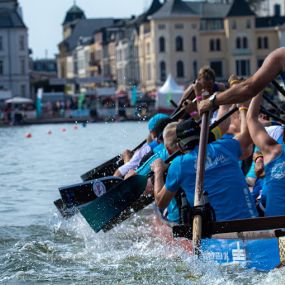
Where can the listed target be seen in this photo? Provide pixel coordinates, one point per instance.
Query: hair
(207, 73)
(169, 136)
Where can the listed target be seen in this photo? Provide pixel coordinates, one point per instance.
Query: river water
(38, 247)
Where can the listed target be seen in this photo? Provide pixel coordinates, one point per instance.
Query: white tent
(19, 100)
(169, 91)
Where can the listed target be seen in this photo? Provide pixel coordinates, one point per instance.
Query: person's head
(159, 128)
(170, 138)
(207, 77)
(152, 122)
(188, 135)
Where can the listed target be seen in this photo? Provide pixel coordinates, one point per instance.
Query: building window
(179, 26)
(238, 43)
(234, 25)
(161, 44)
(262, 42)
(179, 43)
(259, 62)
(162, 71)
(149, 71)
(1, 67)
(23, 66)
(243, 67)
(180, 69)
(245, 42)
(217, 66)
(23, 90)
(241, 43)
(194, 44)
(161, 27)
(195, 69)
(215, 45)
(212, 45)
(1, 43)
(22, 43)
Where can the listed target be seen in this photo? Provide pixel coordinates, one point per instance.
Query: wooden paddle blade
(104, 209)
(106, 169)
(82, 193)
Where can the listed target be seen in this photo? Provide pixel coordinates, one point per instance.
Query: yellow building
(182, 36)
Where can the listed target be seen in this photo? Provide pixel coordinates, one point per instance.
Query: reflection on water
(38, 247)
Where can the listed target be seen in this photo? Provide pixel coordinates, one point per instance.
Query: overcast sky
(44, 18)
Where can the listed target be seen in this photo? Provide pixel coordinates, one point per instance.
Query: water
(38, 247)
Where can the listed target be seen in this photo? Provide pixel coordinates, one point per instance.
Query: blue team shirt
(275, 185)
(224, 181)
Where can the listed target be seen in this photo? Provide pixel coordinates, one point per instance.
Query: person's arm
(268, 146)
(271, 67)
(187, 94)
(161, 195)
(244, 137)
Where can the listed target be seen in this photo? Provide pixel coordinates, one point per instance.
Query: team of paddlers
(245, 159)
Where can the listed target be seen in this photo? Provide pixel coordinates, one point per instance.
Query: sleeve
(145, 168)
(172, 183)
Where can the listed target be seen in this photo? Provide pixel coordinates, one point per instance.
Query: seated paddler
(273, 159)
(224, 181)
(133, 160)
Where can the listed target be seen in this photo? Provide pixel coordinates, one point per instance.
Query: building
(14, 51)
(175, 37)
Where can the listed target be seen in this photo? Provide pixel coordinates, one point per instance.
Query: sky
(44, 18)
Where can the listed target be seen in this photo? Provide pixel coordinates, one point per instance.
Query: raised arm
(268, 146)
(272, 66)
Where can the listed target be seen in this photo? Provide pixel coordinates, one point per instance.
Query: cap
(152, 122)
(160, 126)
(188, 134)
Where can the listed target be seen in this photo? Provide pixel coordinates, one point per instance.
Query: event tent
(169, 91)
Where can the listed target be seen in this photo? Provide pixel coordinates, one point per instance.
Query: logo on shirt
(99, 188)
(212, 163)
(278, 170)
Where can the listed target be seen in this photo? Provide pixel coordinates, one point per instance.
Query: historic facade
(178, 37)
(14, 51)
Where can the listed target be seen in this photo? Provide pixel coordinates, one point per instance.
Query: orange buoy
(28, 135)
(75, 127)
(63, 129)
(49, 132)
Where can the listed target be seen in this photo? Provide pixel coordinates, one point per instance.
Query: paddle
(271, 115)
(278, 87)
(268, 100)
(81, 193)
(114, 217)
(109, 167)
(102, 210)
(199, 184)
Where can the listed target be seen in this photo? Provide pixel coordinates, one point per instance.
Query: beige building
(174, 37)
(182, 36)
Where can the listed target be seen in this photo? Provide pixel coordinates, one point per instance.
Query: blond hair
(169, 136)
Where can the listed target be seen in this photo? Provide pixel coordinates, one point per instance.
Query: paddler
(273, 65)
(224, 181)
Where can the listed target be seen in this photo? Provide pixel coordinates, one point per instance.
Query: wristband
(194, 113)
(242, 108)
(233, 82)
(199, 98)
(257, 157)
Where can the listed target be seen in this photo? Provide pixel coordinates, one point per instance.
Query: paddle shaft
(268, 100)
(278, 87)
(273, 116)
(199, 185)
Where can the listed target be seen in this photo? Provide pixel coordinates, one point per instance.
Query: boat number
(99, 188)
